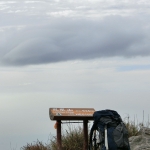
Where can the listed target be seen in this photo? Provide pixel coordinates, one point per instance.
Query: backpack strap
(94, 127)
(106, 138)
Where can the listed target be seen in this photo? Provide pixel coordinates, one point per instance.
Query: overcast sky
(87, 53)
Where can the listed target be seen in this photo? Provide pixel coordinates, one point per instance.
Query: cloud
(71, 39)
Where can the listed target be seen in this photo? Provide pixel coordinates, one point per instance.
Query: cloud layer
(38, 38)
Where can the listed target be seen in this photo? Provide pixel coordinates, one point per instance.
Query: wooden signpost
(61, 114)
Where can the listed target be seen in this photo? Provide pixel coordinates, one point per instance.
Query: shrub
(132, 127)
(133, 130)
(72, 139)
(36, 146)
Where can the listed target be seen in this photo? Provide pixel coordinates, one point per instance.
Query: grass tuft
(36, 146)
(72, 139)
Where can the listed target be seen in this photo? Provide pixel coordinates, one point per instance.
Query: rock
(147, 131)
(142, 141)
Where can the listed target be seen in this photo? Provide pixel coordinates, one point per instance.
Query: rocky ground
(141, 142)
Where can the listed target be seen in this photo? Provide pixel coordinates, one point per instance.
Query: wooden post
(85, 131)
(59, 135)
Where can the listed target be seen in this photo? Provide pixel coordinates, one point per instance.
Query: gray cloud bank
(80, 39)
(30, 38)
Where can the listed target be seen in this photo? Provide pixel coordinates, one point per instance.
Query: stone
(142, 141)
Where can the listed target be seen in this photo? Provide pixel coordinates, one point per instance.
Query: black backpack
(108, 132)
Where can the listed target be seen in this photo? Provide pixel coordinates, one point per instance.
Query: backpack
(108, 132)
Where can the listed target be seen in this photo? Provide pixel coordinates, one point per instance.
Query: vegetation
(133, 130)
(36, 146)
(72, 138)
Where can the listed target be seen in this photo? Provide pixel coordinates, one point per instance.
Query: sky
(70, 54)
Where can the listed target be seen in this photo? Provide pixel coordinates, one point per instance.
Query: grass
(133, 130)
(36, 146)
(72, 138)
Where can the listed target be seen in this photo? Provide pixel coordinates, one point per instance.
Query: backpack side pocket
(120, 135)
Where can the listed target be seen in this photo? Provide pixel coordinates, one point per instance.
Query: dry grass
(36, 146)
(133, 130)
(72, 138)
